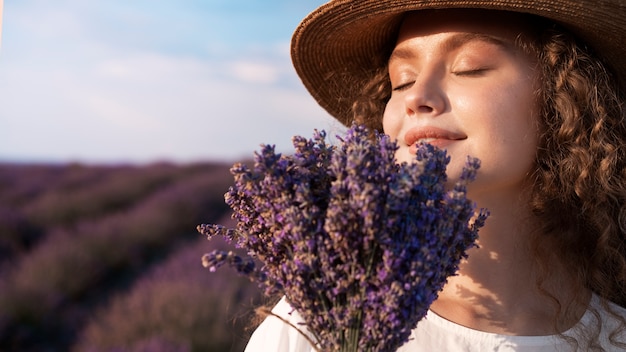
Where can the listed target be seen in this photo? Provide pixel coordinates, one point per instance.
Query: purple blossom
(359, 244)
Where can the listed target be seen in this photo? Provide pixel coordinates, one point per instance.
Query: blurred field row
(107, 258)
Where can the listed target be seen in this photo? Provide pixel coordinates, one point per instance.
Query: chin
(404, 156)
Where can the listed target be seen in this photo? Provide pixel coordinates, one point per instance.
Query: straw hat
(345, 40)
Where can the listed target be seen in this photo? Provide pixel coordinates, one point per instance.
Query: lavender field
(107, 258)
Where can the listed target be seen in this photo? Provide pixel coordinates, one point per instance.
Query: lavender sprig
(359, 244)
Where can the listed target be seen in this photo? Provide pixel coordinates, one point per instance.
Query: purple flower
(359, 244)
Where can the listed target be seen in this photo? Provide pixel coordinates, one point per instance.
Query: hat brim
(344, 41)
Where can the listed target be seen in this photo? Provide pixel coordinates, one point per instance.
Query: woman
(535, 90)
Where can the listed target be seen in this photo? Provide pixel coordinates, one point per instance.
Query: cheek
(392, 125)
(513, 136)
(518, 119)
(510, 148)
(392, 120)
(508, 114)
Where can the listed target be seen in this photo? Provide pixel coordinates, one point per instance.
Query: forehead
(500, 24)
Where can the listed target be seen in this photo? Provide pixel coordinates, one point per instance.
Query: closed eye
(403, 86)
(471, 73)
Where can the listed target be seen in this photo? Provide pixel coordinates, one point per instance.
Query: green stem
(354, 332)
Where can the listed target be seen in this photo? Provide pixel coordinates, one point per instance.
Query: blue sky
(139, 81)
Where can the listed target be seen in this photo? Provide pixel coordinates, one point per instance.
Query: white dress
(434, 333)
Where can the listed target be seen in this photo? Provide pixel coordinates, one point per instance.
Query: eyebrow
(452, 43)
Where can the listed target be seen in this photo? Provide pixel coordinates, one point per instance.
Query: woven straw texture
(343, 41)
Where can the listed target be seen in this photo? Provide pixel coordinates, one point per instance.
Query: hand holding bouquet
(358, 244)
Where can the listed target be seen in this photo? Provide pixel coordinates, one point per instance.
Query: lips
(435, 136)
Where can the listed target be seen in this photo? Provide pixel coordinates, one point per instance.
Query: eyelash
(470, 73)
(466, 73)
(403, 86)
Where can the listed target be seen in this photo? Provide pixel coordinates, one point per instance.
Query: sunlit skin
(460, 83)
(466, 88)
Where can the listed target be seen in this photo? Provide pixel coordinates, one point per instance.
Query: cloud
(151, 106)
(255, 72)
(68, 94)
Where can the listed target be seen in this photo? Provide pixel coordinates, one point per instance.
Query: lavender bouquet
(358, 244)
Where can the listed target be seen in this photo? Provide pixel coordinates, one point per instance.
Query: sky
(141, 81)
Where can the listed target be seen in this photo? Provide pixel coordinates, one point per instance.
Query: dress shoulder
(274, 334)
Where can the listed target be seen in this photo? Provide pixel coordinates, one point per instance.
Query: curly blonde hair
(578, 187)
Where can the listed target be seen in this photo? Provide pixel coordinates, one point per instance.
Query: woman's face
(459, 82)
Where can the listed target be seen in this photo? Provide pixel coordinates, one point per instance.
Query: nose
(425, 96)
